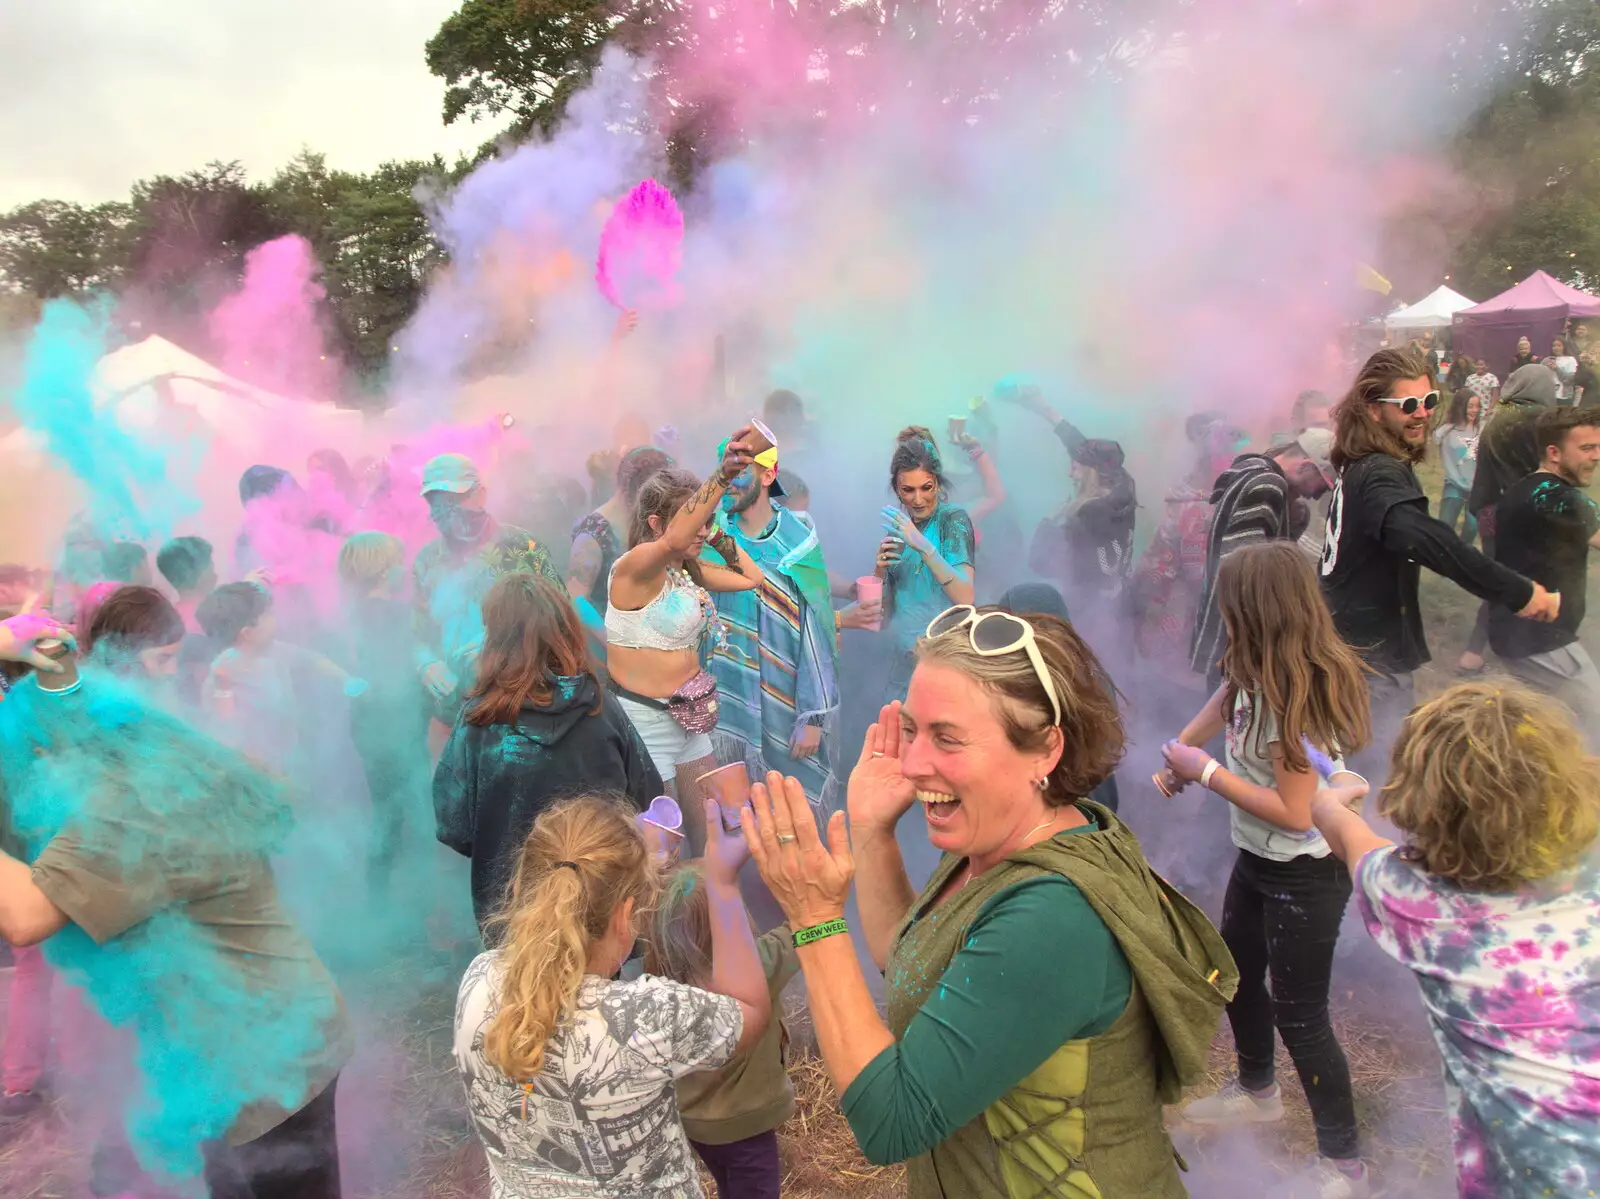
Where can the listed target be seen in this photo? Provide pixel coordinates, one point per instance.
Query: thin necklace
(1025, 836)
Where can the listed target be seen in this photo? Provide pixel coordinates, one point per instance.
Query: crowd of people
(613, 718)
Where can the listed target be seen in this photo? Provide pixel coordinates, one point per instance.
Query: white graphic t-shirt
(601, 1119)
(1248, 748)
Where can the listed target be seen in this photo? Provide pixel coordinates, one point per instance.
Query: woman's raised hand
(20, 636)
(898, 524)
(809, 879)
(736, 457)
(879, 792)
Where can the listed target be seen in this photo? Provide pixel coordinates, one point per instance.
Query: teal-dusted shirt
(911, 593)
(448, 586)
(777, 667)
(1006, 1003)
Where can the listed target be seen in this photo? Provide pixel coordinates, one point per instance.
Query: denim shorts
(670, 745)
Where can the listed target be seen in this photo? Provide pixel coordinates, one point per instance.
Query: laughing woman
(1002, 1072)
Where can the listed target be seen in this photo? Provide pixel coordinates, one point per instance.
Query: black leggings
(299, 1159)
(1478, 639)
(1284, 916)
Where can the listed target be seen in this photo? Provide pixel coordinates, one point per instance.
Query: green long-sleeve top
(1039, 969)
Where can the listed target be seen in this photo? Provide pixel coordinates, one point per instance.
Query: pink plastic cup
(869, 590)
(730, 787)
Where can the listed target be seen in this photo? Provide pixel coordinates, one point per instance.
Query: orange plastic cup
(730, 786)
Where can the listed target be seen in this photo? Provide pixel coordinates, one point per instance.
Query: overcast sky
(95, 94)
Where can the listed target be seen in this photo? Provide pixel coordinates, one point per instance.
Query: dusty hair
(531, 638)
(1091, 726)
(914, 449)
(231, 609)
(679, 944)
(131, 620)
(365, 558)
(1282, 644)
(1356, 432)
(661, 496)
(183, 561)
(1492, 787)
(636, 468)
(555, 914)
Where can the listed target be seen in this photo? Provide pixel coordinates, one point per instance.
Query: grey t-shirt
(601, 1119)
(1250, 735)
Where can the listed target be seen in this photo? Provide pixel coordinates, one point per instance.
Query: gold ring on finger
(785, 838)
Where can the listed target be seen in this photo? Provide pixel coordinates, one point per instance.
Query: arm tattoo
(709, 490)
(584, 568)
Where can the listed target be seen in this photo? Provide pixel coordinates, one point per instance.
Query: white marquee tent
(1434, 311)
(207, 424)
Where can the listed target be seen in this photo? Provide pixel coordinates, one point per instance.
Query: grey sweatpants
(1567, 674)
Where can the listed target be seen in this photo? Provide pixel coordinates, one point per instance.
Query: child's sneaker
(1233, 1105)
(1324, 1180)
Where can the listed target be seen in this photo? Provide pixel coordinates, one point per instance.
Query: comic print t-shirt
(601, 1119)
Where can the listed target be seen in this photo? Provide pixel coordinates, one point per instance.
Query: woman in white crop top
(659, 614)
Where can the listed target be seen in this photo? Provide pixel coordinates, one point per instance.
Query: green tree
(522, 59)
(1533, 152)
(51, 248)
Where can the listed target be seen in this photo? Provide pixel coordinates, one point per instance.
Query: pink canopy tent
(1538, 308)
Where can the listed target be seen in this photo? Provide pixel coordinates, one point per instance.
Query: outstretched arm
(1409, 530)
(994, 489)
(1349, 836)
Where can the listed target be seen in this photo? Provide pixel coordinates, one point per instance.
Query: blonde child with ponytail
(570, 1073)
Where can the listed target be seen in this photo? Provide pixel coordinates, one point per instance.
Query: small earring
(1041, 784)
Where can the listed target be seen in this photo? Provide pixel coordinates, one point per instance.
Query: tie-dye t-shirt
(1511, 982)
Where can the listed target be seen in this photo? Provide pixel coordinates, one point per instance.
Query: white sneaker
(1233, 1105)
(1324, 1180)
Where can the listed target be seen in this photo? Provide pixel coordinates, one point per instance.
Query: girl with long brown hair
(569, 1072)
(660, 612)
(1293, 699)
(536, 727)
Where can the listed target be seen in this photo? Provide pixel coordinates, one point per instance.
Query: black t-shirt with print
(1544, 528)
(1371, 591)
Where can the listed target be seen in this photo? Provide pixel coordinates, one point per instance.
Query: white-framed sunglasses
(1408, 404)
(995, 634)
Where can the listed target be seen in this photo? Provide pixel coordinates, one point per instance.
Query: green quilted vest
(1087, 1124)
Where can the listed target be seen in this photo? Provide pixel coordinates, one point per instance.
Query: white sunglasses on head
(995, 634)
